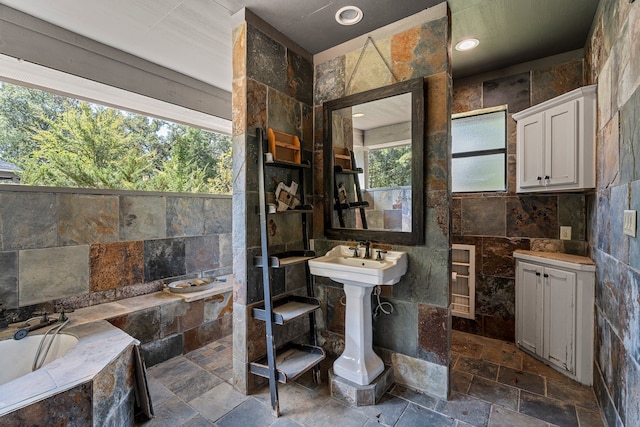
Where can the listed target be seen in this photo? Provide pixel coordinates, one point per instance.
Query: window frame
(479, 153)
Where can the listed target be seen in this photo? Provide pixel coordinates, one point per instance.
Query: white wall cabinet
(554, 310)
(556, 143)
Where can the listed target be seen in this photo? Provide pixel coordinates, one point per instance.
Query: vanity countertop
(585, 262)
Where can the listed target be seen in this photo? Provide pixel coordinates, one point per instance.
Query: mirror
(373, 163)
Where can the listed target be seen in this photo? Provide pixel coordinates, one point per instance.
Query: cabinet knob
(539, 178)
(537, 273)
(547, 177)
(546, 275)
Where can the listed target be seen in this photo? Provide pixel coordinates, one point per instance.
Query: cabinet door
(561, 149)
(530, 151)
(559, 317)
(529, 307)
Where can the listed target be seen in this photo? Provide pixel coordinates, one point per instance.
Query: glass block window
(479, 151)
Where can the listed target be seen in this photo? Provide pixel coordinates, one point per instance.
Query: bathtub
(83, 356)
(19, 354)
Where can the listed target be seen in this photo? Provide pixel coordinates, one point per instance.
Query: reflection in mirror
(373, 162)
(373, 186)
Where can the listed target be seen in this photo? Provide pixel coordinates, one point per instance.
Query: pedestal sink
(358, 363)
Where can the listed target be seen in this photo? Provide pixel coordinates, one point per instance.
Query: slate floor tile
(416, 415)
(572, 392)
(387, 411)
(550, 410)
(503, 417)
(194, 384)
(465, 408)
(198, 421)
(420, 399)
(503, 355)
(520, 379)
(172, 412)
(249, 413)
(218, 401)
(477, 367)
(296, 402)
(494, 392)
(460, 381)
(589, 418)
(334, 414)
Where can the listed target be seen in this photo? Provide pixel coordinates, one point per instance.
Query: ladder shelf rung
(288, 308)
(285, 258)
(292, 360)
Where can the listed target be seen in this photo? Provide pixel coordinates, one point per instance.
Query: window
(479, 151)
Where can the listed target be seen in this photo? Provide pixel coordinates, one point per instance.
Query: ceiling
(193, 37)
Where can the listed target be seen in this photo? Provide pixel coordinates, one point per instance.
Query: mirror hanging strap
(355, 69)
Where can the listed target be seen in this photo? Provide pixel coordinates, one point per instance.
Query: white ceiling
(193, 37)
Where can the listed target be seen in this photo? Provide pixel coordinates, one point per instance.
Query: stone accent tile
(437, 221)
(112, 386)
(239, 51)
(218, 306)
(239, 107)
(28, 220)
(299, 78)
(226, 252)
(143, 325)
(419, 51)
(618, 203)
(266, 60)
(572, 211)
(547, 83)
(438, 103)
(630, 138)
(550, 410)
(608, 154)
(632, 404)
(185, 216)
(493, 392)
(114, 265)
(207, 333)
(433, 337)
(164, 258)
(495, 296)
(143, 217)
(71, 408)
(512, 90)
(158, 351)
(437, 163)
(330, 80)
(603, 220)
(502, 417)
(42, 277)
(427, 272)
(307, 135)
(415, 415)
(478, 367)
(284, 112)
(421, 375)
(483, 216)
(202, 253)
(217, 215)
(180, 316)
(456, 217)
(466, 97)
(524, 380)
(256, 107)
(466, 408)
(371, 71)
(532, 216)
(9, 280)
(497, 255)
(87, 219)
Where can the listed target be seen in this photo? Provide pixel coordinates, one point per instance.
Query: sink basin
(340, 265)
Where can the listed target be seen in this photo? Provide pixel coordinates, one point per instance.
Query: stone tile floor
(493, 384)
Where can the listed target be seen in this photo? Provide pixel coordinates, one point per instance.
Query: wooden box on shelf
(283, 146)
(342, 158)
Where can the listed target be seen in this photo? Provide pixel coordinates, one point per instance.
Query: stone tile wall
(76, 249)
(499, 223)
(414, 340)
(613, 62)
(272, 88)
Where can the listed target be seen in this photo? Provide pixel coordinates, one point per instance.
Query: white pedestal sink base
(358, 363)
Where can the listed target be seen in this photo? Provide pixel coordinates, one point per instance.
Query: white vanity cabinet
(554, 310)
(556, 143)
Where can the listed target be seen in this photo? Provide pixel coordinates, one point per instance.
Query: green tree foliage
(58, 141)
(390, 167)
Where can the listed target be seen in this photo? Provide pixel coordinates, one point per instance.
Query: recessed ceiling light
(356, 115)
(467, 44)
(349, 15)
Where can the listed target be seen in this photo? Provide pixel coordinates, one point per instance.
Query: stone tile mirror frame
(417, 89)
